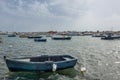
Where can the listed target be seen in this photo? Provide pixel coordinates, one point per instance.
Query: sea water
(101, 58)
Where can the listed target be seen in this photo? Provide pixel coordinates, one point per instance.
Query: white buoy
(54, 67)
(10, 46)
(83, 70)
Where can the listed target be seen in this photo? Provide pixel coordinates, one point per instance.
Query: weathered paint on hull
(38, 66)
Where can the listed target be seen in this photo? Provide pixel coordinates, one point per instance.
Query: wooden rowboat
(40, 40)
(61, 38)
(40, 63)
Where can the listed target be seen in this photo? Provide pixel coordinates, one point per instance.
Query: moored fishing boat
(62, 38)
(32, 37)
(0, 39)
(110, 37)
(40, 40)
(23, 36)
(40, 63)
(11, 35)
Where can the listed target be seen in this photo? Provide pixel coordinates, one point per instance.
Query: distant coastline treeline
(69, 33)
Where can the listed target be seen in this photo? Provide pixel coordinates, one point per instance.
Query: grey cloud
(59, 14)
(66, 8)
(105, 8)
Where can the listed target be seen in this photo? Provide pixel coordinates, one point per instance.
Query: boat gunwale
(17, 60)
(41, 62)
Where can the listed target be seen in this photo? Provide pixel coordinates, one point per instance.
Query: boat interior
(47, 58)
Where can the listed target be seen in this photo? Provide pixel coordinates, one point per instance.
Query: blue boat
(0, 39)
(40, 40)
(62, 38)
(43, 63)
(11, 35)
(110, 37)
(33, 37)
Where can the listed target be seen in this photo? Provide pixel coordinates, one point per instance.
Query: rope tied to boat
(54, 67)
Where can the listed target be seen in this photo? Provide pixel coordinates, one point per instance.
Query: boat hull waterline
(47, 65)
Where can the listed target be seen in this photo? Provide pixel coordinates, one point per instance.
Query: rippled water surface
(100, 57)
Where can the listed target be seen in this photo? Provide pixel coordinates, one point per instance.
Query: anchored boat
(11, 35)
(0, 39)
(62, 38)
(110, 37)
(40, 40)
(40, 63)
(33, 37)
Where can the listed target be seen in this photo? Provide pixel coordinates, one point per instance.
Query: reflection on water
(70, 73)
(100, 57)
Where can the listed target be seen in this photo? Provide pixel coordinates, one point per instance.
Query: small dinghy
(0, 40)
(40, 63)
(33, 37)
(11, 35)
(61, 38)
(40, 40)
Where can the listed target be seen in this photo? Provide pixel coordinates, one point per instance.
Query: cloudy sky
(60, 15)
